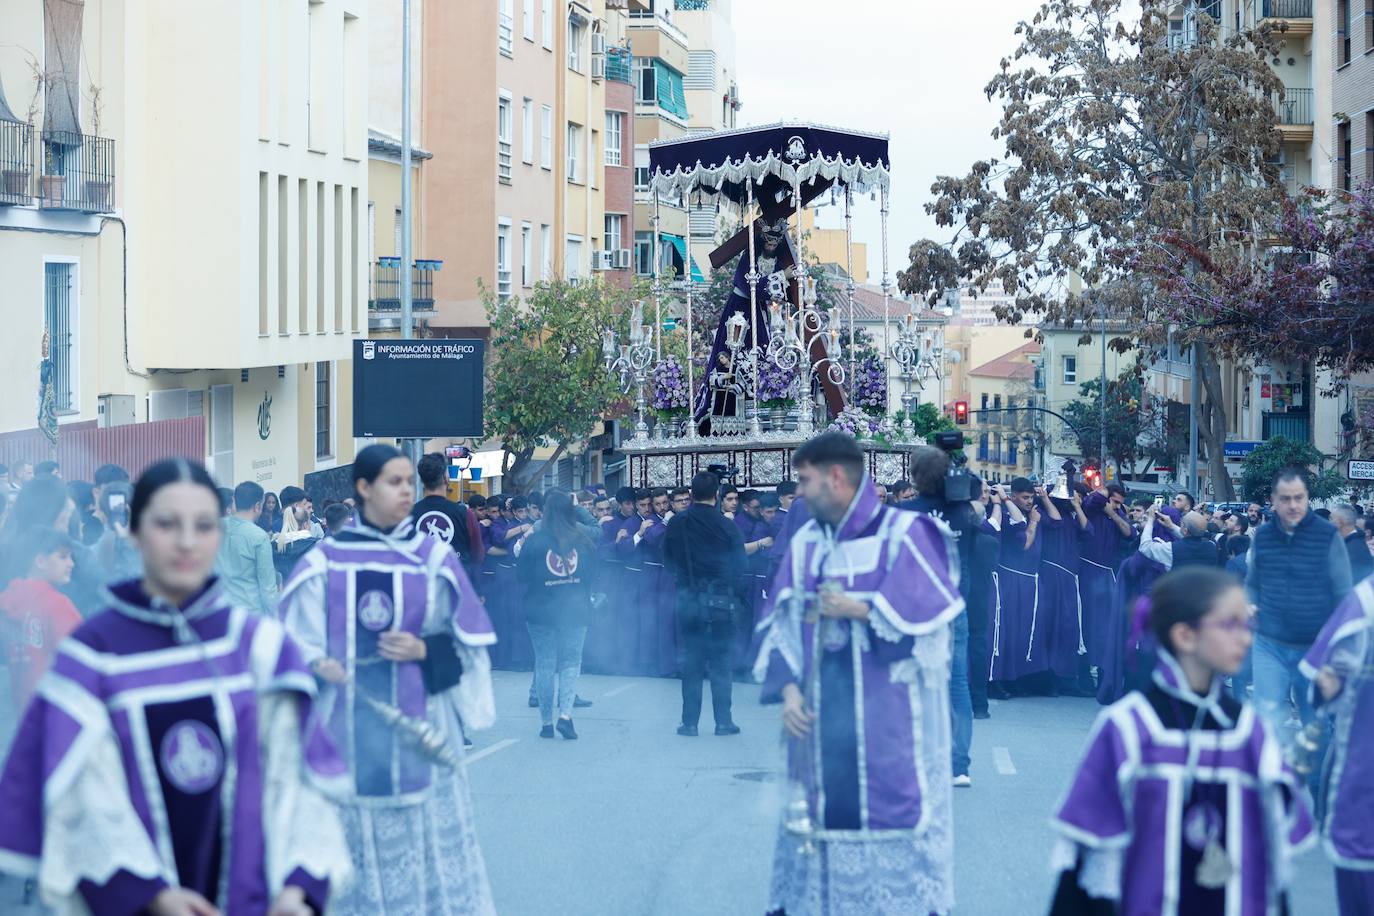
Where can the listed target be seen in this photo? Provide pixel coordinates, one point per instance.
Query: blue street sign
(1239, 449)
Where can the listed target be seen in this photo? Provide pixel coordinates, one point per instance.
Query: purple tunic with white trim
(407, 816)
(1100, 547)
(1131, 835)
(1060, 607)
(1018, 633)
(166, 748)
(875, 772)
(1346, 646)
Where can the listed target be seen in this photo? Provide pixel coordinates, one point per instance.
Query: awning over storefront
(679, 243)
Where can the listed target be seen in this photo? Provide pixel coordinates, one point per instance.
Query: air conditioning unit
(598, 43)
(603, 260)
(622, 259)
(598, 68)
(115, 410)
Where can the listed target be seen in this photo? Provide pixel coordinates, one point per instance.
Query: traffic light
(961, 413)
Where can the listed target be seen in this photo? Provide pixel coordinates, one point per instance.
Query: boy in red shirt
(35, 616)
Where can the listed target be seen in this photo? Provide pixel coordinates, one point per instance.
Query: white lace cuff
(300, 827)
(91, 831)
(473, 696)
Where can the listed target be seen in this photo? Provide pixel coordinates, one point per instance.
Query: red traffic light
(961, 412)
(1092, 477)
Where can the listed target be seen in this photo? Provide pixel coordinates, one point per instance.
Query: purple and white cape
(173, 748)
(874, 774)
(408, 820)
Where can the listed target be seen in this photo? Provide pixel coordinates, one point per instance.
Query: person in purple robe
(388, 620)
(168, 763)
(1018, 650)
(856, 646)
(606, 639)
(1182, 802)
(758, 540)
(657, 650)
(1341, 666)
(1060, 602)
(1102, 545)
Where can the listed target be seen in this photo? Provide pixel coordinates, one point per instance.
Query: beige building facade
(197, 244)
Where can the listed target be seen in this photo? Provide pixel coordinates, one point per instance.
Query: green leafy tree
(1263, 464)
(928, 419)
(546, 383)
(1136, 422)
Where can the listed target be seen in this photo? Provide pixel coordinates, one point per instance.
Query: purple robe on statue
(1100, 548)
(173, 747)
(1060, 605)
(406, 813)
(1169, 779)
(874, 774)
(1346, 646)
(657, 653)
(1018, 648)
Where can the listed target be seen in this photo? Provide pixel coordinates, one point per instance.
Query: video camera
(959, 482)
(726, 472)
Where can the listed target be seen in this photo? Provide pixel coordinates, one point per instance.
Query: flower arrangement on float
(670, 398)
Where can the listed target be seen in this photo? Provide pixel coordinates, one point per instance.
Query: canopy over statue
(783, 363)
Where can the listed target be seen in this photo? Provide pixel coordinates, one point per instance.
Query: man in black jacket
(1361, 560)
(705, 551)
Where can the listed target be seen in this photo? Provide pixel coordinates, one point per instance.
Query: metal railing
(503, 161)
(1286, 9)
(688, 6)
(16, 162)
(505, 35)
(1295, 106)
(384, 290)
(620, 65)
(1297, 426)
(78, 172)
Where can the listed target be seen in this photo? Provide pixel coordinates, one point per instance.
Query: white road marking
(621, 689)
(1001, 760)
(488, 751)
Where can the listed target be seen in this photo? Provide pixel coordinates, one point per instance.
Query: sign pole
(411, 447)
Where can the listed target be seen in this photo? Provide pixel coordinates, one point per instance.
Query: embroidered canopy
(774, 156)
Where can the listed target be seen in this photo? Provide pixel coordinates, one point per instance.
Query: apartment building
(1003, 441)
(184, 220)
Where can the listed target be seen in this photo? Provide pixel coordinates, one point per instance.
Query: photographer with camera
(945, 491)
(705, 552)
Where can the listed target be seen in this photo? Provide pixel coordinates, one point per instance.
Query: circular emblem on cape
(437, 524)
(1201, 825)
(192, 757)
(560, 565)
(375, 610)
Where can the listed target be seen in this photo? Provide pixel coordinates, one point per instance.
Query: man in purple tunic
(173, 748)
(856, 645)
(1341, 666)
(1060, 604)
(758, 540)
(1018, 649)
(1103, 543)
(657, 604)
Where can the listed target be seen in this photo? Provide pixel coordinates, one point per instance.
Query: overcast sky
(914, 69)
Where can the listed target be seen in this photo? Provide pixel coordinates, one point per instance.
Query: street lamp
(631, 362)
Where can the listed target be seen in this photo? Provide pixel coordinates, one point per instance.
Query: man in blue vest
(1298, 572)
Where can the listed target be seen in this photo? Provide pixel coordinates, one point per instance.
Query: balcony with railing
(78, 173)
(1296, 15)
(1294, 110)
(505, 35)
(620, 65)
(384, 290)
(16, 162)
(1296, 426)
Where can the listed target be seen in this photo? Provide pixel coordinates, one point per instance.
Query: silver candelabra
(631, 362)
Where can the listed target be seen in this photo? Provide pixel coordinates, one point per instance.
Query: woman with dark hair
(270, 519)
(556, 567)
(1183, 795)
(390, 623)
(84, 527)
(42, 505)
(165, 764)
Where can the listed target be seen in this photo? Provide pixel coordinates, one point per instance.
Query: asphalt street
(633, 819)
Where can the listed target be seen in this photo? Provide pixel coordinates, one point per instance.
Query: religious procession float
(782, 366)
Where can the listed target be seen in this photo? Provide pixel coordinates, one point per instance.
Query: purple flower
(775, 383)
(870, 385)
(670, 386)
